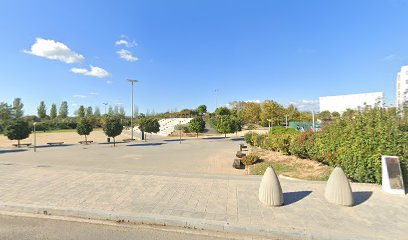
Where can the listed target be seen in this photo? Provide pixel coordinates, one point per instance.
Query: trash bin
(108, 140)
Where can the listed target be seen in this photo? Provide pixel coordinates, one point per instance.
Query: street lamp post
(313, 120)
(180, 130)
(269, 120)
(35, 137)
(131, 120)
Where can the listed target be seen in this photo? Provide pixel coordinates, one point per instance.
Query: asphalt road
(32, 228)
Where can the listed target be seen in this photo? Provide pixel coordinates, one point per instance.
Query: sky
(181, 51)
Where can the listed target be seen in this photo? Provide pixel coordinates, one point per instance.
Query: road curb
(159, 220)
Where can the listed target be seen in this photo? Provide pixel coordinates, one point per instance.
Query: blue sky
(288, 51)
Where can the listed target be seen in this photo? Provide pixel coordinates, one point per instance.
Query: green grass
(259, 168)
(287, 170)
(65, 130)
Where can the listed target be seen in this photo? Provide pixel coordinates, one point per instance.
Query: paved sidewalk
(213, 202)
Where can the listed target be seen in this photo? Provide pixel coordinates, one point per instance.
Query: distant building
(402, 87)
(341, 103)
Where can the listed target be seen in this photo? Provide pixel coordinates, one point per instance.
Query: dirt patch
(290, 166)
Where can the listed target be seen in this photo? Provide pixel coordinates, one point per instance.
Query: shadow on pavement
(52, 146)
(214, 138)
(12, 151)
(145, 144)
(174, 140)
(360, 197)
(111, 143)
(237, 139)
(292, 197)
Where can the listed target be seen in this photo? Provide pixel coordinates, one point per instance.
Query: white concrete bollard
(338, 189)
(270, 190)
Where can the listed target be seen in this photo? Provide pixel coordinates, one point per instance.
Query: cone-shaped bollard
(270, 190)
(338, 189)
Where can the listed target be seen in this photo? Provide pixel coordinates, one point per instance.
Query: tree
(293, 113)
(97, 112)
(149, 125)
(225, 124)
(81, 111)
(237, 124)
(197, 125)
(251, 113)
(110, 111)
(335, 114)
(84, 127)
(18, 108)
(202, 109)
(53, 111)
(273, 111)
(222, 111)
(17, 130)
(112, 127)
(5, 112)
(89, 112)
(122, 112)
(63, 111)
(325, 115)
(42, 110)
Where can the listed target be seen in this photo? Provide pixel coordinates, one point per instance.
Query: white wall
(341, 103)
(402, 86)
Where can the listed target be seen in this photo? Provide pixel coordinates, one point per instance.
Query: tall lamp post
(35, 137)
(180, 130)
(131, 120)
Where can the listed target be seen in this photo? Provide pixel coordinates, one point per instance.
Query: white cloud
(79, 96)
(54, 50)
(307, 105)
(109, 82)
(127, 55)
(126, 43)
(93, 72)
(79, 70)
(390, 57)
(254, 101)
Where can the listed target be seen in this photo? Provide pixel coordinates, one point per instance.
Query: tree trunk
(114, 142)
(18, 143)
(225, 135)
(86, 141)
(197, 134)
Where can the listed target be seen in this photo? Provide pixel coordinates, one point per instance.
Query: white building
(341, 103)
(402, 87)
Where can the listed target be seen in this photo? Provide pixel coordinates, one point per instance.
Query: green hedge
(355, 143)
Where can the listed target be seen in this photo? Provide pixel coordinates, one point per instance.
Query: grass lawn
(65, 130)
(290, 166)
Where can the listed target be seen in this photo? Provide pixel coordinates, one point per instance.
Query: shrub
(280, 130)
(250, 159)
(248, 138)
(302, 144)
(258, 139)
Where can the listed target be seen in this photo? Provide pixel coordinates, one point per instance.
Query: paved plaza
(190, 185)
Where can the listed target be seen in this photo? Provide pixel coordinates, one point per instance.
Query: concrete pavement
(133, 183)
(224, 203)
